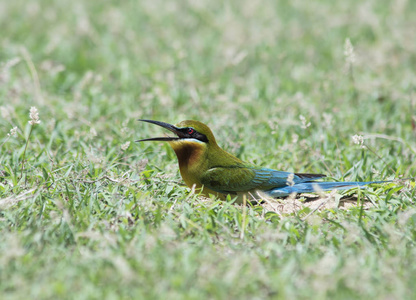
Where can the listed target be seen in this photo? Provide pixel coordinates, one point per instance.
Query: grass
(86, 215)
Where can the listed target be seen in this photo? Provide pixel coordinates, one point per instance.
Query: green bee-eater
(211, 170)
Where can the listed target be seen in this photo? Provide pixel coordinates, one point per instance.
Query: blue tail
(313, 187)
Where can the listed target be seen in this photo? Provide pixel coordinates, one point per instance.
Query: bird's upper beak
(168, 126)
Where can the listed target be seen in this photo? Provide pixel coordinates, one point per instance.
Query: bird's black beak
(168, 126)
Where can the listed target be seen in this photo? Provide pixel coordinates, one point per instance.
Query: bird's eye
(191, 130)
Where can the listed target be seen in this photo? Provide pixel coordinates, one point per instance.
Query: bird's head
(187, 132)
(196, 149)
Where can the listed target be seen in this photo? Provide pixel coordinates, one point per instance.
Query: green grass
(85, 219)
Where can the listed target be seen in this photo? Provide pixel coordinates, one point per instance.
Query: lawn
(307, 86)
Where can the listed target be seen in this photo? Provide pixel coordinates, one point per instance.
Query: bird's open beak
(168, 126)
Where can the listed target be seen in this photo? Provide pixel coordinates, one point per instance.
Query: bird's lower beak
(168, 126)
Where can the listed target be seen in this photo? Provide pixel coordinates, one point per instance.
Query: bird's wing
(230, 179)
(243, 179)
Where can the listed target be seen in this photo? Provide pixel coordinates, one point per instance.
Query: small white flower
(13, 132)
(305, 123)
(34, 116)
(358, 140)
(125, 146)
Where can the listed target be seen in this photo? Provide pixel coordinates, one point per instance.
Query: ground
(313, 87)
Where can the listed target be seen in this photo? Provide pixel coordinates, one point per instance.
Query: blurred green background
(85, 214)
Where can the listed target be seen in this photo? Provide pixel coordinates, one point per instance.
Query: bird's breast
(192, 160)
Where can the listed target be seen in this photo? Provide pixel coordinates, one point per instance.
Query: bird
(210, 170)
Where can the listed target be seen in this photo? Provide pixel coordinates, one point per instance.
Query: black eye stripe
(192, 133)
(201, 137)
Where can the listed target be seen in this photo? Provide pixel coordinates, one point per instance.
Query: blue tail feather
(313, 187)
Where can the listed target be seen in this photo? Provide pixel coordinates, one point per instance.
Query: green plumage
(211, 170)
